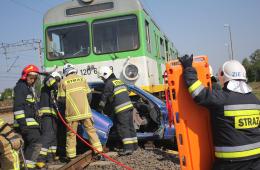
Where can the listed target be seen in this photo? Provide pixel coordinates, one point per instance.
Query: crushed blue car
(150, 116)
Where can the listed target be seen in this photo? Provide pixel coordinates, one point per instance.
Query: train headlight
(130, 72)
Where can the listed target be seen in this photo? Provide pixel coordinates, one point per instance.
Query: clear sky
(195, 26)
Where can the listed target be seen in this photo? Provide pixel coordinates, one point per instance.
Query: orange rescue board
(191, 121)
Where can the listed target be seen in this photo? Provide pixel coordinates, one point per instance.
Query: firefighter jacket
(48, 94)
(115, 91)
(234, 117)
(24, 106)
(7, 132)
(75, 89)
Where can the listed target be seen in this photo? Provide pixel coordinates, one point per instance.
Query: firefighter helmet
(68, 69)
(30, 69)
(104, 72)
(232, 70)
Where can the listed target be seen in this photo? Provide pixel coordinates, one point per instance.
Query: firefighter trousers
(61, 137)
(32, 145)
(9, 158)
(126, 130)
(71, 137)
(253, 164)
(48, 139)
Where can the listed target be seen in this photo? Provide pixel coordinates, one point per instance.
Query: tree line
(8, 92)
(252, 66)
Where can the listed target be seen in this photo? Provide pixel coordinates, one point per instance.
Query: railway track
(80, 162)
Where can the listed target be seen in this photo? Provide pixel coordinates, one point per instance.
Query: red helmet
(29, 69)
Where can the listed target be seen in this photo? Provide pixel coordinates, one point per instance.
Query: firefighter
(73, 91)
(234, 114)
(214, 80)
(115, 91)
(25, 114)
(10, 143)
(48, 119)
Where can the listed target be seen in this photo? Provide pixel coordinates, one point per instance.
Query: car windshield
(115, 34)
(68, 41)
(146, 94)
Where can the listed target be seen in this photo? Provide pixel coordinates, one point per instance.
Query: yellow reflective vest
(75, 89)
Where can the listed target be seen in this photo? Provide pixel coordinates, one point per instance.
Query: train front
(90, 34)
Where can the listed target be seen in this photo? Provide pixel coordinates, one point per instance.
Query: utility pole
(39, 42)
(230, 39)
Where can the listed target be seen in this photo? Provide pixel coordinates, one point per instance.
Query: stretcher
(191, 121)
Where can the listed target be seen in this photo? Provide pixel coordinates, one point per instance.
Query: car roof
(160, 103)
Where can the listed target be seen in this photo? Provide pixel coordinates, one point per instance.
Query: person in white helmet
(234, 112)
(115, 93)
(48, 119)
(73, 92)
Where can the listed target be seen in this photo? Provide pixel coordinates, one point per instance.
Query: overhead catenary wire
(12, 65)
(22, 46)
(26, 6)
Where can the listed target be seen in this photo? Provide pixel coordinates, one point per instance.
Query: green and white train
(116, 33)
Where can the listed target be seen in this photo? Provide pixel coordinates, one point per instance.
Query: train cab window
(115, 35)
(68, 41)
(148, 40)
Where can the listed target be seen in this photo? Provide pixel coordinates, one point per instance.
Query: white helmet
(104, 71)
(232, 70)
(68, 69)
(56, 74)
(211, 71)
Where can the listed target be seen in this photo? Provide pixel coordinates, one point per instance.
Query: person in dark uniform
(48, 114)
(115, 91)
(234, 115)
(25, 114)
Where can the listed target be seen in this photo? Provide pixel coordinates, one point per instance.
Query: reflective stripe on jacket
(234, 116)
(6, 131)
(24, 105)
(75, 89)
(115, 91)
(48, 92)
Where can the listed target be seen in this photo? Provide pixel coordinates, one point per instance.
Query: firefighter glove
(101, 106)
(186, 61)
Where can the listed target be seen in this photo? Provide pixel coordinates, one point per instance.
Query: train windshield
(115, 35)
(68, 41)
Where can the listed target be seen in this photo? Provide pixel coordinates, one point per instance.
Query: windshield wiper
(79, 51)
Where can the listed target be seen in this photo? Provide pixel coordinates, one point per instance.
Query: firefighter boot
(125, 152)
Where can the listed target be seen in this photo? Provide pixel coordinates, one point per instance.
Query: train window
(68, 41)
(115, 35)
(167, 50)
(156, 44)
(162, 52)
(148, 40)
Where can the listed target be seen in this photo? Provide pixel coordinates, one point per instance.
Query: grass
(256, 88)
